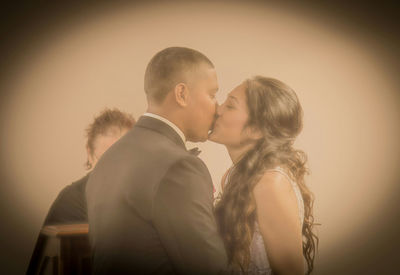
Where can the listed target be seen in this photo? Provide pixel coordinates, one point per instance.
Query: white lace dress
(259, 261)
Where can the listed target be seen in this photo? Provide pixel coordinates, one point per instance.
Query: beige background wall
(97, 59)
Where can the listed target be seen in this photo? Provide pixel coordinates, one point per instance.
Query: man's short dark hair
(166, 69)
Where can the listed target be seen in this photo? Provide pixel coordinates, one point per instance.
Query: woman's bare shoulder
(272, 182)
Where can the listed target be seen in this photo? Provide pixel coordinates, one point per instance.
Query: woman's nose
(218, 110)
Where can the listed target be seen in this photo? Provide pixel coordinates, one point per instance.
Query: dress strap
(282, 172)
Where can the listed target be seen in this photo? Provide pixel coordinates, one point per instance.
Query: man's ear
(181, 94)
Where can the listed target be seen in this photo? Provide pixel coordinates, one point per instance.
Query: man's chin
(198, 139)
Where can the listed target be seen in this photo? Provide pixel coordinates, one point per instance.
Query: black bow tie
(195, 151)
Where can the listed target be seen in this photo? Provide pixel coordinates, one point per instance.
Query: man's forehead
(206, 72)
(203, 74)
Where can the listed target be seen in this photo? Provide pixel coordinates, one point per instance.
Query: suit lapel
(160, 127)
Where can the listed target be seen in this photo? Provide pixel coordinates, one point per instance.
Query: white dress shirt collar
(172, 125)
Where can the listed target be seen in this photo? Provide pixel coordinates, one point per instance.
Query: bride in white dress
(265, 210)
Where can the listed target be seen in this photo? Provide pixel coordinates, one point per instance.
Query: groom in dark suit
(150, 201)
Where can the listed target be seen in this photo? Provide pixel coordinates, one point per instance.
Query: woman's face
(230, 126)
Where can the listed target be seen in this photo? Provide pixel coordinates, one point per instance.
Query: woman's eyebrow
(233, 98)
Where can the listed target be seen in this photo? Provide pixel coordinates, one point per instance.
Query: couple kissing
(151, 208)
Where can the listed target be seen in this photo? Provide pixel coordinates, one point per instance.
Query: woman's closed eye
(229, 104)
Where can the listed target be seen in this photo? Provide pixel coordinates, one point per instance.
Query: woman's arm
(278, 219)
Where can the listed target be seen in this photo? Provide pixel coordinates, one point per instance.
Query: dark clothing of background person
(150, 207)
(70, 205)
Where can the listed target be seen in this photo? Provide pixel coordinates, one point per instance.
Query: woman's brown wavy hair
(274, 109)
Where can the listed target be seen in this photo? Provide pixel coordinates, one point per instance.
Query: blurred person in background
(70, 204)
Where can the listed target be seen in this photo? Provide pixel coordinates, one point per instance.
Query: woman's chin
(212, 136)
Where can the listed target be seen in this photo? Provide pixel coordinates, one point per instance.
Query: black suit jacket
(150, 207)
(70, 205)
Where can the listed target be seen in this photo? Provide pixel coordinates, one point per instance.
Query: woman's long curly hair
(274, 109)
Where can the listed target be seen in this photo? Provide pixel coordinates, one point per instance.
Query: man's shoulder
(156, 145)
(140, 140)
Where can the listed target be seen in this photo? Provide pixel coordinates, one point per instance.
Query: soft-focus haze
(65, 74)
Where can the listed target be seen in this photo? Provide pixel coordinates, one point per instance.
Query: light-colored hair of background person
(274, 109)
(167, 68)
(106, 120)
